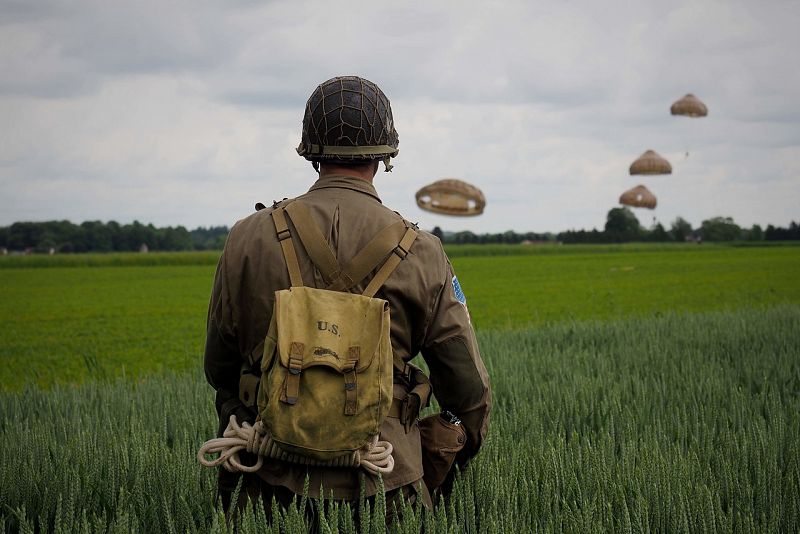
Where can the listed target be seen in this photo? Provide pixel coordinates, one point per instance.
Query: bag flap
(329, 324)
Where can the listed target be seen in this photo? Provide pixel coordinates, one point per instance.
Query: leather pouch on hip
(441, 441)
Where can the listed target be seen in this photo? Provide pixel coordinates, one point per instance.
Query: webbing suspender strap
(289, 254)
(398, 254)
(314, 242)
(370, 256)
(323, 257)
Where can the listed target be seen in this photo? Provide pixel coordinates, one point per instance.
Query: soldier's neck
(364, 172)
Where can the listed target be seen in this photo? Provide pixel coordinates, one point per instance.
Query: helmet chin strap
(315, 164)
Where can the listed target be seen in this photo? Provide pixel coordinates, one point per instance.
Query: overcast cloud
(188, 112)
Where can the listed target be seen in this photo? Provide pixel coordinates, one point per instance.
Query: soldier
(347, 130)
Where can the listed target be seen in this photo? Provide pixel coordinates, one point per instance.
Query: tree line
(621, 226)
(96, 236)
(509, 237)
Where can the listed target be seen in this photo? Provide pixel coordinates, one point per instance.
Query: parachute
(451, 197)
(638, 197)
(650, 163)
(689, 106)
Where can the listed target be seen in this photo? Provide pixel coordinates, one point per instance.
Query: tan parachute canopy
(638, 197)
(451, 197)
(689, 106)
(650, 163)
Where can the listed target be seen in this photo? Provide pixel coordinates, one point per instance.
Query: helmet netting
(349, 111)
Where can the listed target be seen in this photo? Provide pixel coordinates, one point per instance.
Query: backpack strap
(287, 245)
(398, 254)
(324, 258)
(314, 242)
(370, 256)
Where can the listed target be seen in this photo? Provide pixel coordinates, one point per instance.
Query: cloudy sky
(188, 112)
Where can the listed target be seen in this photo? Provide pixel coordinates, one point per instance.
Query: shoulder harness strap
(369, 257)
(398, 254)
(317, 247)
(287, 245)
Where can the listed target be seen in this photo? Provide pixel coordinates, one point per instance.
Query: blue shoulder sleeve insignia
(460, 296)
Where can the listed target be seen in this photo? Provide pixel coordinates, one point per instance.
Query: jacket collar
(346, 182)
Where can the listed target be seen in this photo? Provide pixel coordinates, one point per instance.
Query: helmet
(348, 119)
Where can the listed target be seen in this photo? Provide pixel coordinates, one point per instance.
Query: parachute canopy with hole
(689, 106)
(638, 197)
(650, 163)
(451, 197)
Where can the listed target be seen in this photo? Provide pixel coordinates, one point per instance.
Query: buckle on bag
(350, 383)
(400, 251)
(292, 385)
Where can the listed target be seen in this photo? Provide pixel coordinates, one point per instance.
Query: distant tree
(211, 238)
(115, 230)
(176, 238)
(582, 236)
(658, 234)
(622, 225)
(680, 229)
(465, 237)
(438, 233)
(720, 229)
(22, 235)
(510, 237)
(755, 233)
(47, 241)
(97, 236)
(69, 234)
(783, 234)
(136, 234)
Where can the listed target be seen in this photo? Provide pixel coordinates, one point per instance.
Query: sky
(188, 112)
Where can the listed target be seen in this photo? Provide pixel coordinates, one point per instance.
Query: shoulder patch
(460, 296)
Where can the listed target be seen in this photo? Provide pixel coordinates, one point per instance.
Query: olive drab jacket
(427, 317)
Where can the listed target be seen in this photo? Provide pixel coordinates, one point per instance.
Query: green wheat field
(636, 389)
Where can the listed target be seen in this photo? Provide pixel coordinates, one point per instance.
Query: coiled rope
(375, 456)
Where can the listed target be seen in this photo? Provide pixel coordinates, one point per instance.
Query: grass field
(65, 324)
(62, 324)
(682, 423)
(636, 389)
